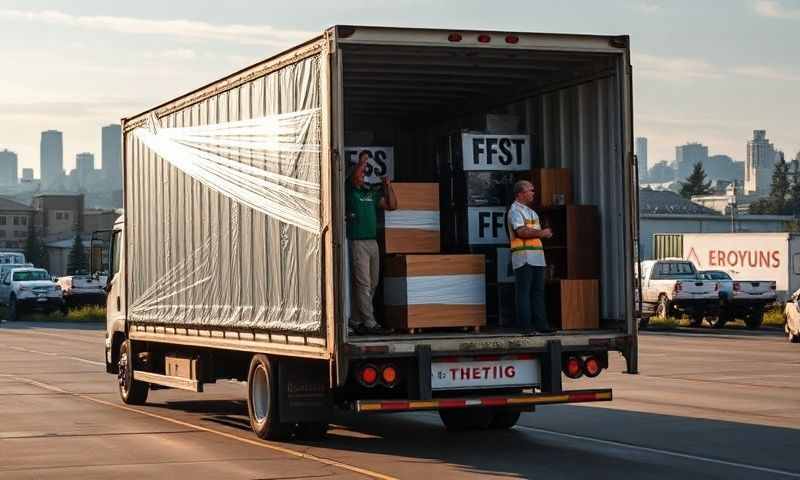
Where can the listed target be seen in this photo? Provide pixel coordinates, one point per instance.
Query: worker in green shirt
(362, 230)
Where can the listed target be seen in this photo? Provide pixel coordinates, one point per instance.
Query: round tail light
(484, 38)
(512, 39)
(368, 375)
(454, 37)
(592, 367)
(573, 368)
(389, 375)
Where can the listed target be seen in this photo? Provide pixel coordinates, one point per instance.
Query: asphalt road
(705, 405)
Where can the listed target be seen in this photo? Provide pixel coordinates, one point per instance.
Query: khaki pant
(365, 271)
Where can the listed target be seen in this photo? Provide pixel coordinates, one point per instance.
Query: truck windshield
(31, 275)
(676, 270)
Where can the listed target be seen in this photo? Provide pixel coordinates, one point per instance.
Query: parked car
(791, 313)
(745, 299)
(673, 286)
(26, 289)
(79, 290)
(11, 257)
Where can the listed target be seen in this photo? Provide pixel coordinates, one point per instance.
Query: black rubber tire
(13, 310)
(132, 392)
(723, 318)
(504, 418)
(262, 400)
(754, 319)
(696, 320)
(462, 419)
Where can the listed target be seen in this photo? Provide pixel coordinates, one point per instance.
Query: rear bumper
(696, 305)
(51, 303)
(571, 396)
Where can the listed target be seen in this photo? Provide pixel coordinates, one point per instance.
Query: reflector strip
(577, 396)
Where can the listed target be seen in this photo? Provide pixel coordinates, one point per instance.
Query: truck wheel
(132, 392)
(723, 318)
(696, 320)
(754, 319)
(504, 418)
(662, 308)
(13, 310)
(461, 419)
(262, 400)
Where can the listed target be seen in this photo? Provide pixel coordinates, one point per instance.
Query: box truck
(230, 261)
(744, 256)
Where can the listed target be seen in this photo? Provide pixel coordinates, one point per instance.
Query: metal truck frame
(295, 380)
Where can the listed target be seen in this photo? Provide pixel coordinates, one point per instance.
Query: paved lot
(706, 405)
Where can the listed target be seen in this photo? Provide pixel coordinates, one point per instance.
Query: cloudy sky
(705, 70)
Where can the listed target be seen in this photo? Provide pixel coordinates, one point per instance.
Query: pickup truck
(674, 286)
(79, 290)
(25, 289)
(744, 299)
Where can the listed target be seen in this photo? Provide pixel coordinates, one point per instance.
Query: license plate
(41, 299)
(513, 371)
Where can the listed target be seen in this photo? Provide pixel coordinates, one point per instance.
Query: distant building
(761, 158)
(84, 167)
(721, 167)
(686, 156)
(59, 214)
(27, 175)
(8, 168)
(640, 148)
(721, 202)
(51, 158)
(112, 156)
(661, 172)
(14, 220)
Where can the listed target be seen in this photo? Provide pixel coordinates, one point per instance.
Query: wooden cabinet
(573, 304)
(553, 186)
(574, 250)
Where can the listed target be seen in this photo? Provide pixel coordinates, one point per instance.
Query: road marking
(262, 444)
(35, 331)
(51, 354)
(663, 452)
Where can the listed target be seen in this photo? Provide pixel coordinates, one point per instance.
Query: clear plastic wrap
(435, 289)
(223, 208)
(413, 219)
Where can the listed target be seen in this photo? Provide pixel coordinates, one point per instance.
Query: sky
(704, 70)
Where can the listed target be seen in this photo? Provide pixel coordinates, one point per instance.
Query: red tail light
(736, 286)
(389, 375)
(368, 375)
(454, 37)
(592, 367)
(677, 286)
(573, 368)
(512, 39)
(772, 287)
(484, 38)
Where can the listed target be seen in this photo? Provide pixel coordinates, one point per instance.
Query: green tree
(77, 261)
(35, 249)
(779, 189)
(794, 189)
(695, 183)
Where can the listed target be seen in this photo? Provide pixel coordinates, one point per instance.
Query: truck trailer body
(230, 261)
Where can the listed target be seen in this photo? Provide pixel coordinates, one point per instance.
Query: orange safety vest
(521, 244)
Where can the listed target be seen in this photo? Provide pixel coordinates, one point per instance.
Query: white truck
(28, 289)
(746, 299)
(80, 290)
(11, 258)
(230, 261)
(744, 256)
(673, 286)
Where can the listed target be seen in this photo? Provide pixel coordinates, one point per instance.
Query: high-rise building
(51, 157)
(640, 148)
(84, 166)
(112, 155)
(27, 174)
(686, 156)
(761, 158)
(8, 168)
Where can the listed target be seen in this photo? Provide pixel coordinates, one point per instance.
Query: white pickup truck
(674, 286)
(80, 290)
(26, 289)
(745, 299)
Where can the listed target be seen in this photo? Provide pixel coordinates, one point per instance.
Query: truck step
(168, 381)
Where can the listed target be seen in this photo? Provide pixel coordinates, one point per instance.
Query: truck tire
(262, 400)
(461, 419)
(132, 392)
(504, 418)
(696, 320)
(662, 307)
(755, 319)
(13, 310)
(723, 318)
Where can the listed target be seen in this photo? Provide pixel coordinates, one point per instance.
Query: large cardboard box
(414, 226)
(433, 291)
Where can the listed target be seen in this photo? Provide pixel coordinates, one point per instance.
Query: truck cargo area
(421, 99)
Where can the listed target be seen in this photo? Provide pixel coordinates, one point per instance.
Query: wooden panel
(429, 265)
(407, 240)
(583, 242)
(552, 185)
(573, 304)
(435, 316)
(417, 196)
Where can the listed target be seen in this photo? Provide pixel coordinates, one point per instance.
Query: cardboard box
(414, 226)
(573, 304)
(553, 186)
(434, 291)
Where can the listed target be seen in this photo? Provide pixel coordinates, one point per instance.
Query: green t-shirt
(362, 205)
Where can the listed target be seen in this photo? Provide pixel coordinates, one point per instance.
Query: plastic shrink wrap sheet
(223, 208)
